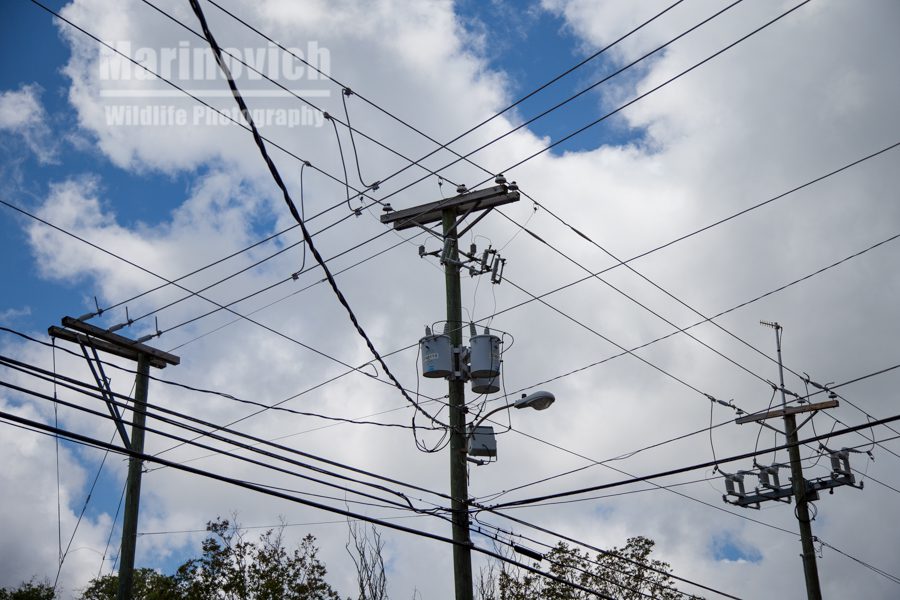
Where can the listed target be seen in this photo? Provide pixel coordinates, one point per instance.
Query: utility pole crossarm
(125, 347)
(463, 203)
(791, 410)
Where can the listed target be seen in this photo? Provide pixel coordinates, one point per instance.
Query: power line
(608, 553)
(293, 210)
(887, 575)
(605, 462)
(184, 91)
(698, 323)
(635, 300)
(94, 392)
(87, 387)
(328, 116)
(605, 338)
(222, 307)
(232, 455)
(274, 493)
(648, 92)
(444, 146)
(633, 349)
(703, 465)
(203, 268)
(311, 285)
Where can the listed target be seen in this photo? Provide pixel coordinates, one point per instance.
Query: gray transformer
(437, 355)
(484, 356)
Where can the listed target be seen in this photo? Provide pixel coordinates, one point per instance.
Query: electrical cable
(640, 275)
(698, 323)
(337, 136)
(112, 527)
(293, 210)
(56, 438)
(217, 262)
(103, 415)
(295, 292)
(446, 145)
(762, 424)
(344, 93)
(408, 504)
(278, 525)
(612, 554)
(635, 300)
(75, 437)
(272, 330)
(679, 470)
(887, 575)
(290, 92)
(94, 392)
(571, 566)
(644, 94)
(605, 338)
(605, 462)
(736, 307)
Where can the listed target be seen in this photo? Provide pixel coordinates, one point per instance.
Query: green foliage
(29, 591)
(230, 568)
(637, 576)
(147, 585)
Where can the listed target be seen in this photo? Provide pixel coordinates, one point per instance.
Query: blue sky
(530, 46)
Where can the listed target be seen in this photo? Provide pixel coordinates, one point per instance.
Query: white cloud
(21, 113)
(11, 314)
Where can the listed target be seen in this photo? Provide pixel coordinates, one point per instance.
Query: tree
(148, 584)
(627, 573)
(29, 591)
(366, 548)
(232, 568)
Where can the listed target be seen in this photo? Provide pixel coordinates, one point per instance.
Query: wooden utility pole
(95, 338)
(451, 212)
(459, 487)
(801, 491)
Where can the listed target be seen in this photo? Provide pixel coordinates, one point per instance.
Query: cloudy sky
(159, 186)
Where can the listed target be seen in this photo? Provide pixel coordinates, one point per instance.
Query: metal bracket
(105, 391)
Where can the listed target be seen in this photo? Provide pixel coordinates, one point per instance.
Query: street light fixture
(480, 440)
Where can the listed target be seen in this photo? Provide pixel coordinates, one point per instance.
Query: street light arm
(489, 413)
(538, 401)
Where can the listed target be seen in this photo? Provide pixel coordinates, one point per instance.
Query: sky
(760, 185)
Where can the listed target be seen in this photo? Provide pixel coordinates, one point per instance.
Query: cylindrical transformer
(437, 355)
(484, 358)
(486, 385)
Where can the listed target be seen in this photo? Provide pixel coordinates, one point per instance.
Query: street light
(480, 440)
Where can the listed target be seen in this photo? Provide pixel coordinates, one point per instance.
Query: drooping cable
(112, 528)
(76, 437)
(290, 203)
(344, 93)
(704, 465)
(445, 146)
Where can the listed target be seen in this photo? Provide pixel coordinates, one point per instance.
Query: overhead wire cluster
(366, 193)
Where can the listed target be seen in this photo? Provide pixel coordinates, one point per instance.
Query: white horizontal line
(213, 93)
